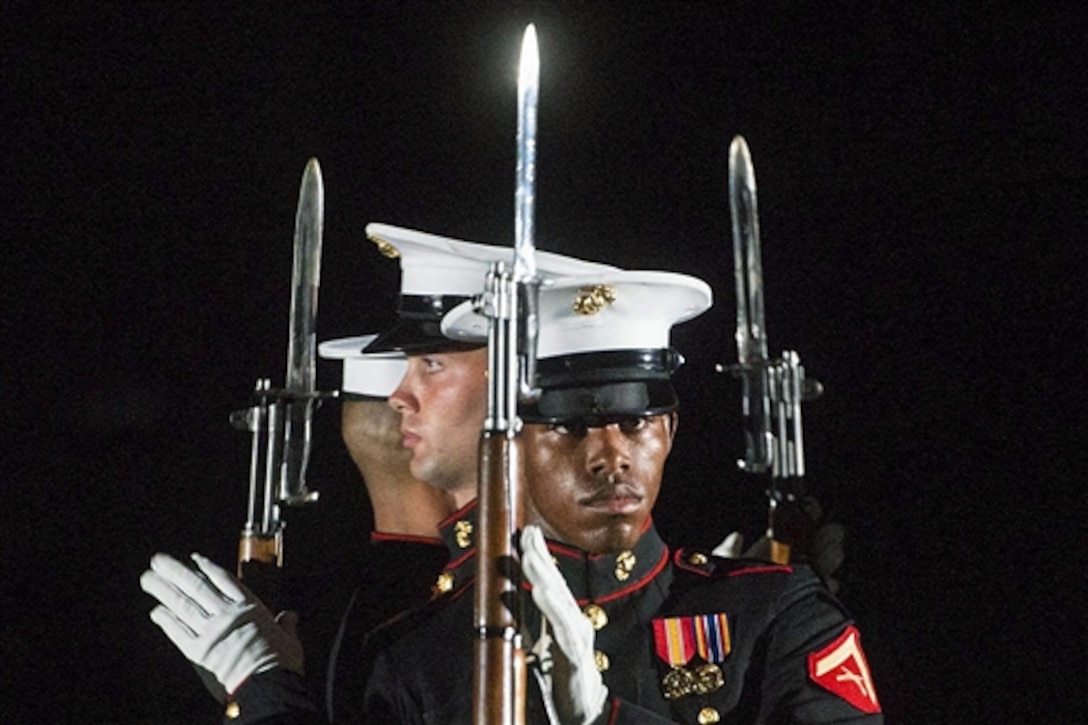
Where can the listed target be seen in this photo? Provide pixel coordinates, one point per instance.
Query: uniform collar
(458, 532)
(601, 578)
(598, 578)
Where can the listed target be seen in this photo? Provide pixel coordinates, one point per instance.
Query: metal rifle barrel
(261, 540)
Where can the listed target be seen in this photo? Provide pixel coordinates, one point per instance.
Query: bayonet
(302, 337)
(773, 389)
(524, 206)
(751, 327)
(280, 419)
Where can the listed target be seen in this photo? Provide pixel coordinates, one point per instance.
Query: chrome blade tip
(529, 65)
(312, 173)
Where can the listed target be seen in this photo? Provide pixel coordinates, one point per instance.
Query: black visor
(602, 386)
(418, 327)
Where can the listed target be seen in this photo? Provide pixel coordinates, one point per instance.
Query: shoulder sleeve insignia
(841, 669)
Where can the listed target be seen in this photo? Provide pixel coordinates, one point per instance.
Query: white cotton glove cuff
(732, 546)
(216, 622)
(581, 699)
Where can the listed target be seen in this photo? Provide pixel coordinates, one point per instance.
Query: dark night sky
(923, 210)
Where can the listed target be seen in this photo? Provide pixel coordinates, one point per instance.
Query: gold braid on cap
(385, 247)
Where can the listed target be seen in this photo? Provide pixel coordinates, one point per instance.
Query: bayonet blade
(748, 266)
(525, 195)
(525, 278)
(305, 281)
(301, 375)
(752, 367)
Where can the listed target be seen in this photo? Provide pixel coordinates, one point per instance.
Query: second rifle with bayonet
(280, 419)
(772, 388)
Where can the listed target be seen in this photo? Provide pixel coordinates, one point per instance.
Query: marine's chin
(619, 533)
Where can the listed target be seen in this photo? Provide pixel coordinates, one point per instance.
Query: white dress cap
(616, 310)
(438, 273)
(434, 265)
(373, 375)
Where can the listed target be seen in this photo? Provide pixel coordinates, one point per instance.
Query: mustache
(614, 486)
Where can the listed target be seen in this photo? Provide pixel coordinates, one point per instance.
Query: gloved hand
(732, 547)
(578, 691)
(217, 623)
(822, 549)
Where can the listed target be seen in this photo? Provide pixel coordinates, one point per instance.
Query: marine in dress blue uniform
(680, 635)
(437, 274)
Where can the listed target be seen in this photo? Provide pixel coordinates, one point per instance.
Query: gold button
(444, 583)
(698, 558)
(232, 710)
(602, 661)
(708, 715)
(596, 616)
(625, 564)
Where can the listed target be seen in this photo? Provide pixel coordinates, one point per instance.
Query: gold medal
(678, 682)
(708, 678)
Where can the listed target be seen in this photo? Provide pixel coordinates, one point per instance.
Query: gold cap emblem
(625, 564)
(591, 300)
(385, 247)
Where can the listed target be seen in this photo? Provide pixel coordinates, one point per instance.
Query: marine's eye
(431, 364)
(575, 428)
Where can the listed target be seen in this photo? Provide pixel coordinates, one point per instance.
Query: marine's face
(595, 488)
(442, 400)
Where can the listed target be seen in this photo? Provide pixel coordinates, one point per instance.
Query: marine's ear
(672, 424)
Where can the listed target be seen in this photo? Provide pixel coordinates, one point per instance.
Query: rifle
(510, 302)
(772, 389)
(280, 419)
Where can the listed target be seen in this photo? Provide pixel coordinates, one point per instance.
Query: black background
(922, 200)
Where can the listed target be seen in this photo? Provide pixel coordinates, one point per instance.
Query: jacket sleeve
(276, 697)
(815, 669)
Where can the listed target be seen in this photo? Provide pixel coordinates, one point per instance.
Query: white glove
(217, 623)
(732, 547)
(578, 691)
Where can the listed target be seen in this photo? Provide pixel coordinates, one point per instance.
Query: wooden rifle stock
(499, 669)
